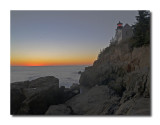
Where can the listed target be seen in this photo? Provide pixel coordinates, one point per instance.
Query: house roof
(126, 26)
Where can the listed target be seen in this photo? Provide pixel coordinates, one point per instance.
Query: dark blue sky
(63, 33)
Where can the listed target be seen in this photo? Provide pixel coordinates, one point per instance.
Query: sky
(48, 38)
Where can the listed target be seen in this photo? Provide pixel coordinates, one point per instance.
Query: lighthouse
(119, 25)
(122, 33)
(118, 35)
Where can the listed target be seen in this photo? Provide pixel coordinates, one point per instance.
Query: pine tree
(142, 29)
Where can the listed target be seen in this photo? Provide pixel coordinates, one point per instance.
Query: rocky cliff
(118, 83)
(124, 72)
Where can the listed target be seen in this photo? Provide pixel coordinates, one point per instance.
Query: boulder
(39, 102)
(44, 82)
(99, 100)
(17, 95)
(34, 97)
(72, 91)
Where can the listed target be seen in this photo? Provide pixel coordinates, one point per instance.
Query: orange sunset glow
(54, 38)
(51, 61)
(54, 63)
(48, 38)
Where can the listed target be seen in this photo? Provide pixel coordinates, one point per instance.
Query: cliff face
(125, 74)
(116, 64)
(118, 83)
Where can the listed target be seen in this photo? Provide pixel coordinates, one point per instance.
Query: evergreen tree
(142, 29)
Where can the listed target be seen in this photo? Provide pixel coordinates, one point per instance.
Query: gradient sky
(41, 38)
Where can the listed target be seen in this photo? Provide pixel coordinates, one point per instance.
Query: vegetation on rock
(142, 29)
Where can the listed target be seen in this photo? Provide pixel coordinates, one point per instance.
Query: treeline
(141, 29)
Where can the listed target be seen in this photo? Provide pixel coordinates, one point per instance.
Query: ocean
(67, 75)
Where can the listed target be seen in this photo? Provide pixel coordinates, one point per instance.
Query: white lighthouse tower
(118, 35)
(122, 33)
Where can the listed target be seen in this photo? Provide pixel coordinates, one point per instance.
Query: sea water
(67, 75)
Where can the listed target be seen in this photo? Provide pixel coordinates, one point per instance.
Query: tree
(142, 29)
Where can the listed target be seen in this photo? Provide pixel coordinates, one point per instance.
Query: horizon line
(50, 65)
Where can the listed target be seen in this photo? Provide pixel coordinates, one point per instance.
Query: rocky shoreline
(34, 97)
(123, 74)
(118, 83)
